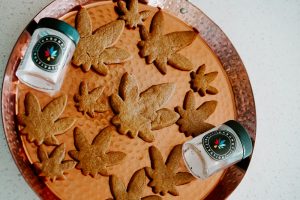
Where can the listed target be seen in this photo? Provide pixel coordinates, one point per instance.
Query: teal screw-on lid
(60, 26)
(243, 135)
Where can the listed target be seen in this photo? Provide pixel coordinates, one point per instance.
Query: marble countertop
(267, 36)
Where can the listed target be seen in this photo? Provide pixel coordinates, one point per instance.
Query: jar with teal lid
(46, 59)
(217, 149)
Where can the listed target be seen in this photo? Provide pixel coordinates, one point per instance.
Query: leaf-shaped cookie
(164, 176)
(87, 102)
(201, 82)
(52, 166)
(95, 158)
(131, 15)
(192, 120)
(139, 113)
(162, 49)
(134, 190)
(41, 126)
(95, 49)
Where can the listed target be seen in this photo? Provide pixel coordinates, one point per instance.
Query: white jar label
(47, 52)
(219, 144)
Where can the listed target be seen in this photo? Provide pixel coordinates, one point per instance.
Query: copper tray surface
(208, 31)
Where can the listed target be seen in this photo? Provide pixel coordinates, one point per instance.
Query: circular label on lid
(47, 52)
(219, 144)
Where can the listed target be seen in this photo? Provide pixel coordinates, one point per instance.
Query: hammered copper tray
(209, 32)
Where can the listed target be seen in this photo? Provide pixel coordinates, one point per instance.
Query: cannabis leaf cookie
(52, 166)
(201, 82)
(131, 15)
(134, 190)
(95, 158)
(96, 49)
(140, 113)
(162, 49)
(164, 176)
(192, 120)
(41, 126)
(87, 102)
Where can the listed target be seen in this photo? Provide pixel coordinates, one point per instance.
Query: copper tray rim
(214, 38)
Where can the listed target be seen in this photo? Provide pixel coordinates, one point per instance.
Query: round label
(47, 52)
(219, 144)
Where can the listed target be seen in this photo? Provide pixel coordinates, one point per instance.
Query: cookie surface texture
(134, 189)
(137, 114)
(87, 101)
(162, 49)
(192, 119)
(201, 82)
(96, 49)
(94, 158)
(164, 176)
(131, 15)
(53, 166)
(41, 126)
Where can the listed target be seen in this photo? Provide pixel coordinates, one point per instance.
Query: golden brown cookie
(201, 82)
(164, 176)
(96, 49)
(95, 158)
(140, 113)
(41, 126)
(134, 189)
(162, 49)
(192, 120)
(87, 102)
(52, 166)
(131, 14)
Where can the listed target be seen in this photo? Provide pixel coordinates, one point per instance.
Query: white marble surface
(267, 36)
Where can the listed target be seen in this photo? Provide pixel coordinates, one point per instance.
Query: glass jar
(217, 149)
(51, 48)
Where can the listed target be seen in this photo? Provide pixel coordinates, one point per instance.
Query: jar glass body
(45, 61)
(197, 156)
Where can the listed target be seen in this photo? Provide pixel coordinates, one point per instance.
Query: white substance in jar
(44, 64)
(215, 150)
